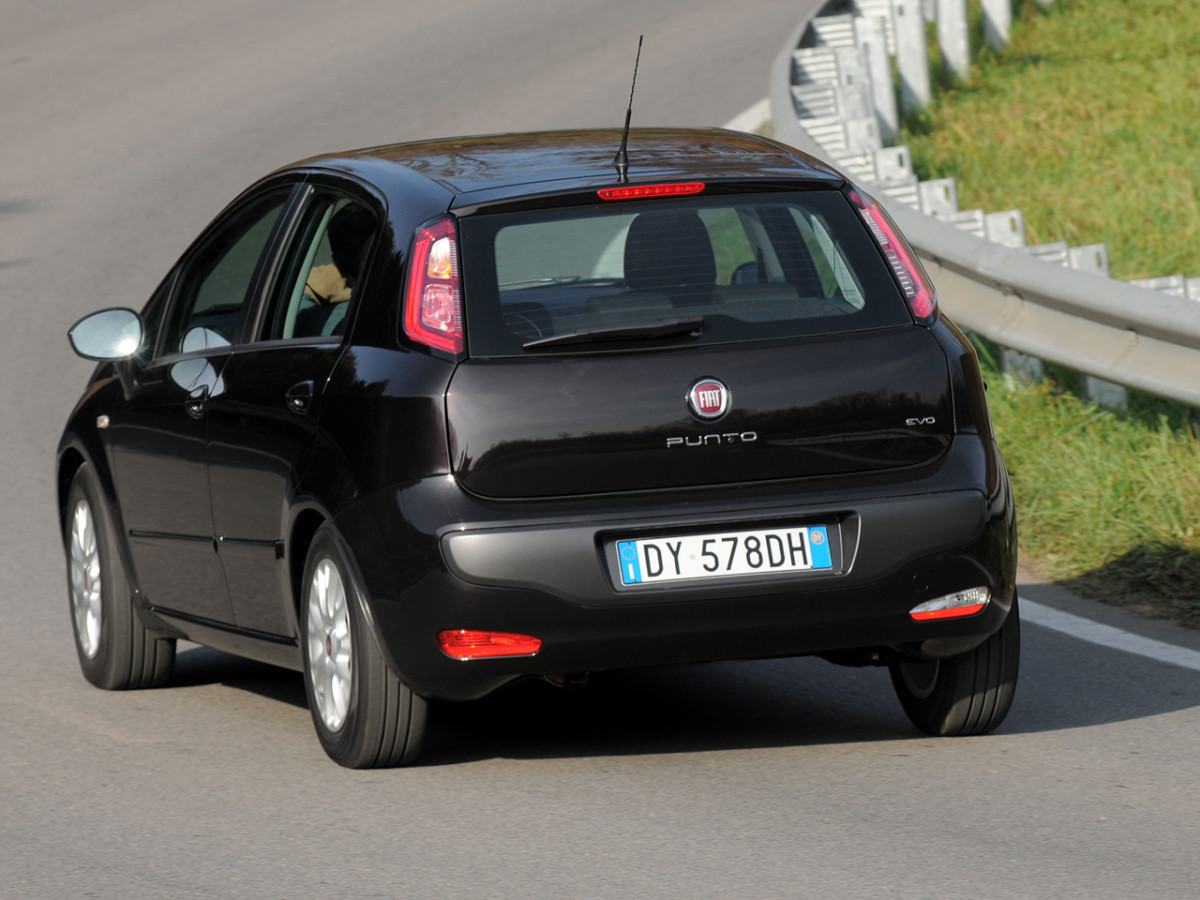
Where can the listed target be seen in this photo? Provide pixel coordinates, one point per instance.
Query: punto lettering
(704, 440)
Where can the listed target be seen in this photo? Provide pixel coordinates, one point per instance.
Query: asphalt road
(124, 127)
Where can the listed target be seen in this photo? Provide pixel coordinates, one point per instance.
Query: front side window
(729, 268)
(215, 281)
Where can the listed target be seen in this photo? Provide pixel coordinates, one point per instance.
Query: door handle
(299, 397)
(196, 402)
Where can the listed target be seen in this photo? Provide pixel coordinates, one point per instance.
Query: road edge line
(1108, 636)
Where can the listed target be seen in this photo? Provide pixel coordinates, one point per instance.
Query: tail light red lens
(432, 298)
(908, 270)
(465, 643)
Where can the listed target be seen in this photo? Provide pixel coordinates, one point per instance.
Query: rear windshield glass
(728, 268)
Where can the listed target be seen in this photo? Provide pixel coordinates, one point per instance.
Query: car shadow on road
(197, 666)
(670, 709)
(1065, 684)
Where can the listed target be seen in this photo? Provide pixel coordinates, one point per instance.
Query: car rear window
(725, 268)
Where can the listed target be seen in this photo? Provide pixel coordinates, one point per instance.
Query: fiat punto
(421, 420)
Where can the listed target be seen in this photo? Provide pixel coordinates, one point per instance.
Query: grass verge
(1107, 502)
(1087, 123)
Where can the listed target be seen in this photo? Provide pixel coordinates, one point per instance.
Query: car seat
(670, 251)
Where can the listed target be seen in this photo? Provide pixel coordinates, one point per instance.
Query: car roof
(514, 164)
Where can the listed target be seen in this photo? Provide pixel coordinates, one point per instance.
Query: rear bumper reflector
(465, 643)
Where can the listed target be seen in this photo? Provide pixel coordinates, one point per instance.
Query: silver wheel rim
(329, 648)
(85, 580)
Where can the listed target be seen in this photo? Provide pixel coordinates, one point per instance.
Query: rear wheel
(365, 717)
(966, 694)
(116, 652)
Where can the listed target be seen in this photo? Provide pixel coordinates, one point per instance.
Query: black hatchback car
(424, 419)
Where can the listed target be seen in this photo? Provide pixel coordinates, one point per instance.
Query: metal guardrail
(1122, 333)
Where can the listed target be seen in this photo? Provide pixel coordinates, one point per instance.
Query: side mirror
(107, 335)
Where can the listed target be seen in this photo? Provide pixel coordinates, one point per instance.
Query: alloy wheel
(85, 580)
(330, 656)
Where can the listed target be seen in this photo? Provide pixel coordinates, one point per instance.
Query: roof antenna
(621, 161)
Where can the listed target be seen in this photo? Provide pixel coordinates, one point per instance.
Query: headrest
(666, 248)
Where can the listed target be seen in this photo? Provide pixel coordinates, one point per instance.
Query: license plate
(694, 557)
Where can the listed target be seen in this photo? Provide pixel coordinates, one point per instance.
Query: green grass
(1107, 502)
(1089, 123)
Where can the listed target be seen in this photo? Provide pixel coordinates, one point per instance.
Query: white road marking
(1107, 636)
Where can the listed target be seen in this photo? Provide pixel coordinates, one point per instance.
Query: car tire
(116, 651)
(365, 716)
(966, 694)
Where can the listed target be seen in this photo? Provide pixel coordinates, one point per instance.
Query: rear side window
(736, 267)
(321, 268)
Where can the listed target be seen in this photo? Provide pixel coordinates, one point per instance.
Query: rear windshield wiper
(556, 280)
(638, 331)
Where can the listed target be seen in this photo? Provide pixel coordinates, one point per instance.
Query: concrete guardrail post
(912, 56)
(871, 36)
(953, 38)
(997, 23)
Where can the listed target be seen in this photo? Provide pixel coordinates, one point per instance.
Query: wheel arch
(73, 455)
(304, 528)
(70, 461)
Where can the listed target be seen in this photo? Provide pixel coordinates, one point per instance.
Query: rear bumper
(445, 560)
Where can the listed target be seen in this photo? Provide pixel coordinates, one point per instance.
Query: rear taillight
(908, 271)
(432, 299)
